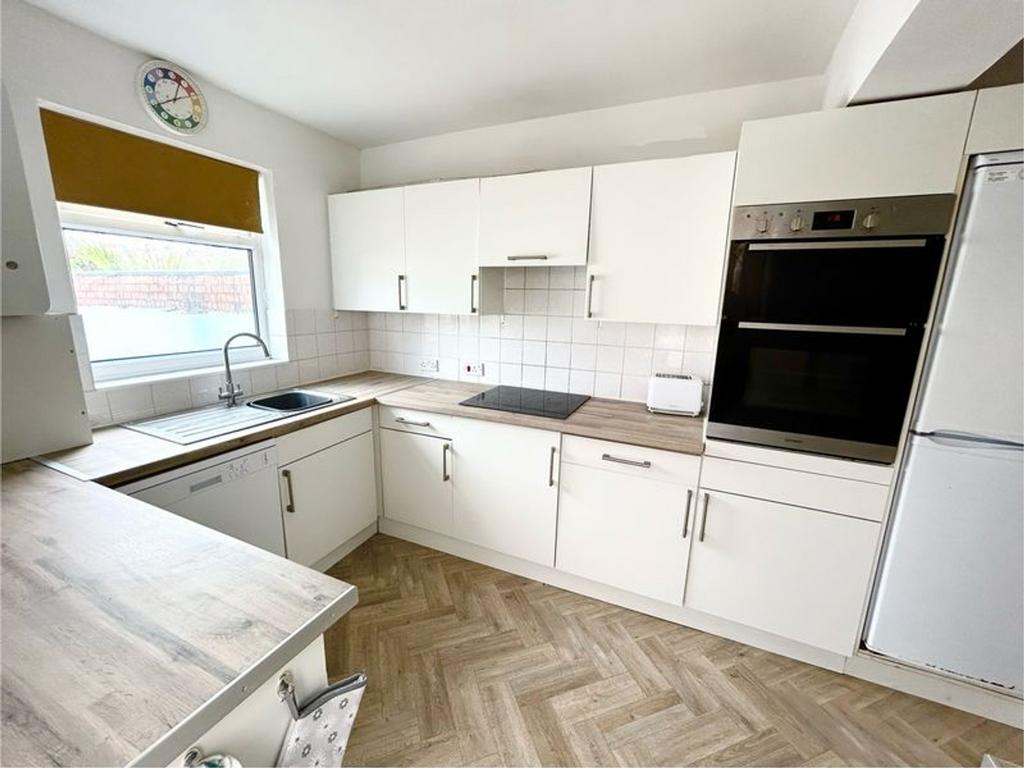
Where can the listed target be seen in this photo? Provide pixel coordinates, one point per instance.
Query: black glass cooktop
(534, 402)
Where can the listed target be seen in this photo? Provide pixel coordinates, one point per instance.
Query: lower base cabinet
(627, 525)
(417, 479)
(792, 571)
(328, 497)
(505, 488)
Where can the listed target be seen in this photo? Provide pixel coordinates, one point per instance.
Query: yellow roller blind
(95, 165)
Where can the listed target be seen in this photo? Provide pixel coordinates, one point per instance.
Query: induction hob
(532, 402)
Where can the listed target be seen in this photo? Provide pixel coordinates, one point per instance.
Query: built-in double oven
(823, 317)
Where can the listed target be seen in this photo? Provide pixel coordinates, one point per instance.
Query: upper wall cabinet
(658, 239)
(998, 122)
(368, 250)
(535, 219)
(911, 147)
(440, 246)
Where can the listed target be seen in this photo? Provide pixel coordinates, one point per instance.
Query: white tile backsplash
(543, 341)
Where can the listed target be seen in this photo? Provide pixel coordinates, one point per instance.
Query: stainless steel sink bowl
(295, 401)
(213, 421)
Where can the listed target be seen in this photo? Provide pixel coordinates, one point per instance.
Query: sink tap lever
(232, 391)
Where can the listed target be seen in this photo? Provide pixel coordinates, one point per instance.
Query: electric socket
(429, 365)
(473, 369)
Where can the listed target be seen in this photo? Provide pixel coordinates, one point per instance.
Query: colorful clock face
(172, 97)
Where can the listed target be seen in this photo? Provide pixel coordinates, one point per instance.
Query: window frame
(108, 372)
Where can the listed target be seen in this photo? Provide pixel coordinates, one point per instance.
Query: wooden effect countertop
(127, 629)
(118, 455)
(615, 420)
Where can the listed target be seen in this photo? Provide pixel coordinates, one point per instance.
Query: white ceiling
(373, 72)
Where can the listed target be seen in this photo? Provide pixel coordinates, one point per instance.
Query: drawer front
(665, 466)
(306, 441)
(805, 489)
(420, 422)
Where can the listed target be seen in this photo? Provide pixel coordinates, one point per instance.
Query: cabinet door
(624, 531)
(368, 249)
(535, 219)
(909, 147)
(505, 486)
(416, 477)
(658, 234)
(333, 496)
(440, 246)
(788, 570)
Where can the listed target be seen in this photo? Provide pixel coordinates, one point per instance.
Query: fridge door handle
(946, 437)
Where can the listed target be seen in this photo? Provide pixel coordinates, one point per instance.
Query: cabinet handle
(290, 506)
(630, 462)
(401, 303)
(403, 420)
(590, 295)
(445, 477)
(472, 294)
(704, 518)
(686, 517)
(528, 257)
(551, 468)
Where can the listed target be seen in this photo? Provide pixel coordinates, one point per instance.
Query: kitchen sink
(295, 401)
(203, 423)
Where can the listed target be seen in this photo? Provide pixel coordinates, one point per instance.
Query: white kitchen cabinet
(368, 249)
(505, 485)
(416, 480)
(791, 571)
(626, 525)
(998, 121)
(658, 237)
(535, 219)
(910, 147)
(440, 246)
(328, 497)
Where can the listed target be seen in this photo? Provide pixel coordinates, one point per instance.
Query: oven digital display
(833, 219)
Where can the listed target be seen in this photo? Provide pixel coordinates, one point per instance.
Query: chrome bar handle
(551, 468)
(445, 477)
(630, 462)
(686, 517)
(590, 296)
(411, 423)
(528, 257)
(290, 506)
(472, 294)
(704, 518)
(401, 304)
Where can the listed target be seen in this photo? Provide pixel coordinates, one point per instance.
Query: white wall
(672, 127)
(47, 59)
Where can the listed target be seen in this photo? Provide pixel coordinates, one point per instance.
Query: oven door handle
(860, 330)
(832, 245)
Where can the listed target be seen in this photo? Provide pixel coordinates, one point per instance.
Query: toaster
(675, 393)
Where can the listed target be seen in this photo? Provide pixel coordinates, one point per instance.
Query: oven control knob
(870, 221)
(761, 224)
(797, 223)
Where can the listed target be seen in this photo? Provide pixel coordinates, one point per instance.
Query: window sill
(192, 373)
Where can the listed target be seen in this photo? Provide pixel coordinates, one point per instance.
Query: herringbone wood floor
(473, 666)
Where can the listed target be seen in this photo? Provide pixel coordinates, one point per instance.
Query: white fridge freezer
(950, 592)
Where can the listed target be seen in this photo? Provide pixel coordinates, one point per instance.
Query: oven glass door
(863, 282)
(814, 388)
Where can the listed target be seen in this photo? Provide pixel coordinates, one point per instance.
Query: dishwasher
(235, 493)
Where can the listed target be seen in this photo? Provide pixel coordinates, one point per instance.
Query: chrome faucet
(233, 391)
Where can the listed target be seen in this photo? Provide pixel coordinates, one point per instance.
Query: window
(159, 296)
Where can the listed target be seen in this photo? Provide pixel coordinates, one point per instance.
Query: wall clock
(172, 97)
